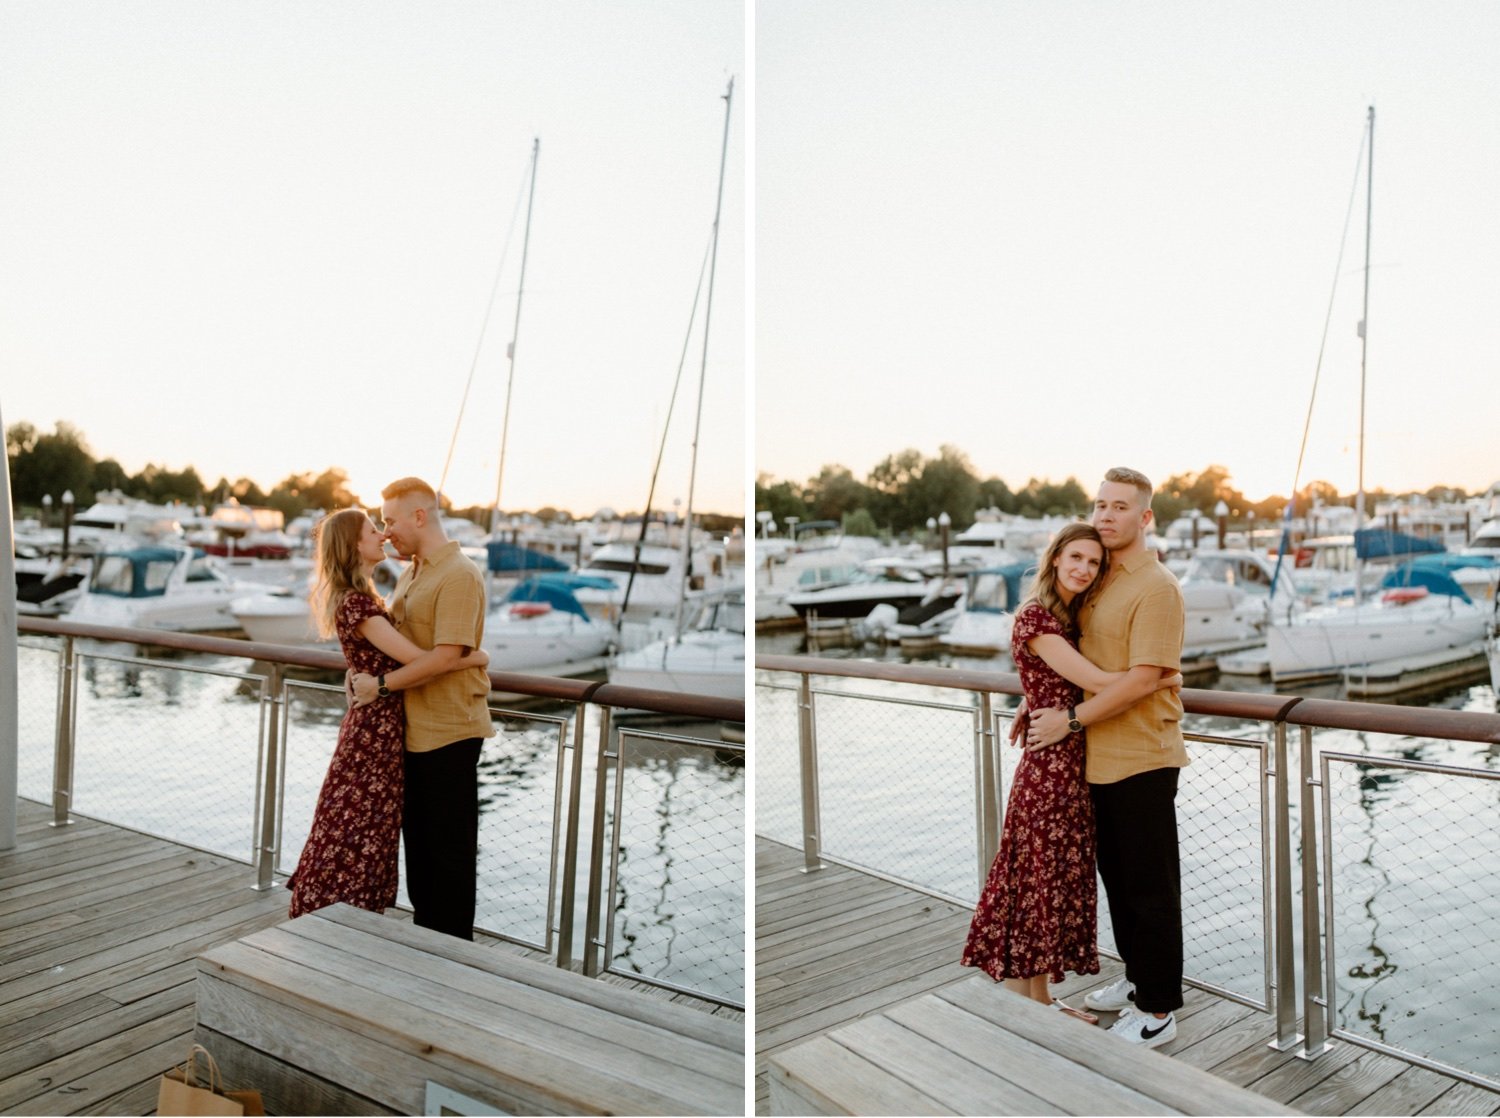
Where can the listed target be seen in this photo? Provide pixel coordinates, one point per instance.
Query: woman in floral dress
(352, 849)
(1036, 917)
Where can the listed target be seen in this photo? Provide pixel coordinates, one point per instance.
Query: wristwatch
(1073, 724)
(383, 691)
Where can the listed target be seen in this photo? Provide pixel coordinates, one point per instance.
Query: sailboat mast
(708, 310)
(536, 148)
(1364, 347)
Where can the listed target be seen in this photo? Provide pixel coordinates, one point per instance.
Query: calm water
(171, 749)
(1416, 856)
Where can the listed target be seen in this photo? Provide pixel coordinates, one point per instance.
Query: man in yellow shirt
(438, 604)
(1134, 749)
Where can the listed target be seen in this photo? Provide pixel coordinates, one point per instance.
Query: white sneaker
(1145, 1029)
(1119, 994)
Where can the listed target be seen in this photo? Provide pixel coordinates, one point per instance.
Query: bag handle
(215, 1080)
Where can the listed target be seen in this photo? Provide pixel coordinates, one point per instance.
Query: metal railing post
(570, 847)
(812, 811)
(1314, 1002)
(987, 788)
(1287, 1037)
(64, 738)
(273, 696)
(593, 914)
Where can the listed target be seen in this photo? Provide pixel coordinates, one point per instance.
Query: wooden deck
(835, 945)
(100, 928)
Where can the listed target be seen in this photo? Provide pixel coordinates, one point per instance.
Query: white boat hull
(704, 662)
(1325, 642)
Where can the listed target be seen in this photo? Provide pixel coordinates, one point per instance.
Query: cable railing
(901, 770)
(228, 758)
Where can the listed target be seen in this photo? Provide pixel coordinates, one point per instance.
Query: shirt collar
(447, 550)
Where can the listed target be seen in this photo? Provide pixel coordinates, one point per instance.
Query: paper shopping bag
(180, 1093)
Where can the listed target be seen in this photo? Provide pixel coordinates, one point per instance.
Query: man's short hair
(410, 487)
(1126, 476)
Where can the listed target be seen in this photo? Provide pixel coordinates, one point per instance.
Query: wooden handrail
(1336, 714)
(546, 687)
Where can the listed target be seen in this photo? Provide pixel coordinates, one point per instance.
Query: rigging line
(483, 326)
(662, 450)
(1318, 368)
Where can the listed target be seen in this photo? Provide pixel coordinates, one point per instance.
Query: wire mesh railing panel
(36, 719)
(1413, 886)
(778, 793)
(518, 772)
(1221, 800)
(169, 749)
(677, 917)
(897, 789)
(518, 826)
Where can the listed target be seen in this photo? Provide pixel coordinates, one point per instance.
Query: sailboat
(711, 658)
(1405, 629)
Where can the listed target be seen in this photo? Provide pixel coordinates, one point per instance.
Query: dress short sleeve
(354, 609)
(1034, 620)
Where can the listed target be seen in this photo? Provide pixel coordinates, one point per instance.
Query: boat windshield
(125, 576)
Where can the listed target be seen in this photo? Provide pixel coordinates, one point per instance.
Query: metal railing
(236, 757)
(888, 795)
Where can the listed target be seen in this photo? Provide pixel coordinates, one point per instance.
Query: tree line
(906, 490)
(44, 464)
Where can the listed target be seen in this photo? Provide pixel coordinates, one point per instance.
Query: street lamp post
(1221, 514)
(46, 511)
(67, 504)
(944, 521)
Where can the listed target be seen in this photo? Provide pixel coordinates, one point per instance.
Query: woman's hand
(1172, 681)
(478, 658)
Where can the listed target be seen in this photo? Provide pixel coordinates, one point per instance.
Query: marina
(611, 847)
(1360, 828)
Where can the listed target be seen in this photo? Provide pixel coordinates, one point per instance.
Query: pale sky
(260, 238)
(1064, 236)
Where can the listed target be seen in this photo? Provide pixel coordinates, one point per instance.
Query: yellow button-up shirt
(1136, 619)
(440, 600)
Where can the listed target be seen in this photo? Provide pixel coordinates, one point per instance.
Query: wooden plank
(1408, 1093)
(284, 1088)
(1176, 1085)
(863, 1087)
(53, 1043)
(237, 980)
(1350, 1085)
(1464, 1098)
(51, 1087)
(562, 1025)
(1045, 1072)
(726, 1033)
(934, 1069)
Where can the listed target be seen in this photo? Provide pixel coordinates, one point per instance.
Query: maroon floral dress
(1037, 914)
(351, 853)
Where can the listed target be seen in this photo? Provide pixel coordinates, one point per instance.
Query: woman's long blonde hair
(1043, 587)
(337, 571)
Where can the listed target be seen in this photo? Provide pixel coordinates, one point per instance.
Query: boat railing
(580, 797)
(901, 770)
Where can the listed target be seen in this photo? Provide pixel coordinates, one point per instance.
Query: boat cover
(1383, 543)
(509, 557)
(556, 590)
(1422, 572)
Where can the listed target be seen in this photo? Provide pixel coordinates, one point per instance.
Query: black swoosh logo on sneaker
(1151, 1034)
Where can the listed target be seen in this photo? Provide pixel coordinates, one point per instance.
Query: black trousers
(1136, 823)
(440, 824)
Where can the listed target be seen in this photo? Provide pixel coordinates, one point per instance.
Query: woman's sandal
(1082, 1014)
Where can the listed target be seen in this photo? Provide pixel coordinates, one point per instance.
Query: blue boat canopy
(140, 572)
(508, 558)
(1012, 574)
(556, 590)
(1430, 576)
(1383, 543)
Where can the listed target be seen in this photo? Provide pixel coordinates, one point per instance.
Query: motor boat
(647, 581)
(1420, 616)
(541, 628)
(879, 582)
(990, 600)
(164, 586)
(707, 660)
